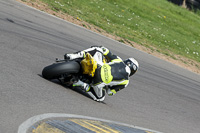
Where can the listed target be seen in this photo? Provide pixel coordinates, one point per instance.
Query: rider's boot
(75, 55)
(91, 94)
(84, 86)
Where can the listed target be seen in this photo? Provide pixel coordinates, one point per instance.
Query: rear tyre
(55, 70)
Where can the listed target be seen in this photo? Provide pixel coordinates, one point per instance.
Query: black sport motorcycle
(70, 71)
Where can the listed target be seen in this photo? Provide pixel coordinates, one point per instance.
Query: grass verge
(158, 25)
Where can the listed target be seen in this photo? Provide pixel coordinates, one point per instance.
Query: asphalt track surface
(161, 96)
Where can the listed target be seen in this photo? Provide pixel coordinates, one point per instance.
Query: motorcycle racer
(112, 76)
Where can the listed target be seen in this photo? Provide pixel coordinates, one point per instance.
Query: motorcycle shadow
(76, 89)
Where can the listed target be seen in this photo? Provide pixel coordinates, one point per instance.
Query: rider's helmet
(132, 64)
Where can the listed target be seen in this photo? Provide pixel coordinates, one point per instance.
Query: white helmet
(132, 64)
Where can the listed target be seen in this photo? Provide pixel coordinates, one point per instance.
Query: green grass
(152, 23)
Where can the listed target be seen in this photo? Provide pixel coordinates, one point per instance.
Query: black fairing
(57, 69)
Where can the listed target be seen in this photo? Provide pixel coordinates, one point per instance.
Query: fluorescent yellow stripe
(113, 91)
(107, 51)
(124, 83)
(84, 55)
(76, 85)
(116, 60)
(88, 89)
(94, 126)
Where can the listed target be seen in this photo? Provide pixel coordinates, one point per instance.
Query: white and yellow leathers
(113, 75)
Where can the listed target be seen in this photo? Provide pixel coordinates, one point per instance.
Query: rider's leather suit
(113, 76)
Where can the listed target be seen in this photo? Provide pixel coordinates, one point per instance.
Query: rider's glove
(105, 50)
(111, 92)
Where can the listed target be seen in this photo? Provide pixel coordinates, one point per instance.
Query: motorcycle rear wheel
(55, 70)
